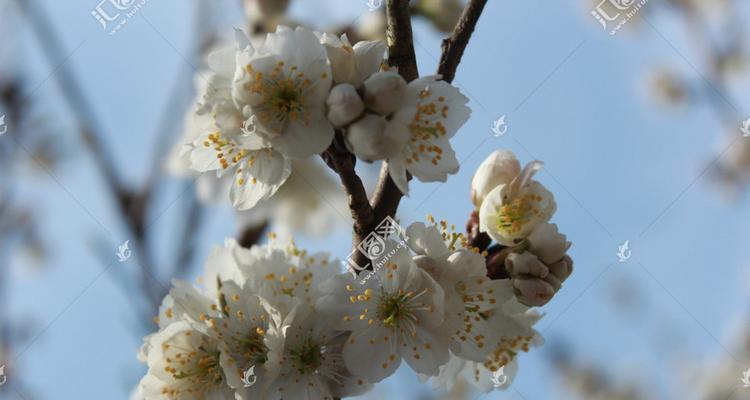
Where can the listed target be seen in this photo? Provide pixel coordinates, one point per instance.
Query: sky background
(621, 166)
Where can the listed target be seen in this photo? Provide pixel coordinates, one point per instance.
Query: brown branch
(401, 55)
(400, 39)
(454, 46)
(342, 162)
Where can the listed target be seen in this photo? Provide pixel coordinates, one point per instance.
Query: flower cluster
(275, 322)
(514, 210)
(283, 100)
(279, 323)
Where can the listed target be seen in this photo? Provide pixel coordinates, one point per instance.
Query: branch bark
(455, 44)
(401, 55)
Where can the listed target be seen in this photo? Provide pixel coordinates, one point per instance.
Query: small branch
(454, 46)
(342, 162)
(401, 49)
(400, 39)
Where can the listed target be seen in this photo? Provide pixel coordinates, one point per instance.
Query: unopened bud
(562, 269)
(533, 292)
(384, 92)
(547, 243)
(366, 138)
(525, 264)
(344, 105)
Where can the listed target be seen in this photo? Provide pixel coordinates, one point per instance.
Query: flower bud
(533, 292)
(498, 169)
(384, 92)
(344, 104)
(562, 269)
(525, 263)
(548, 244)
(259, 10)
(367, 139)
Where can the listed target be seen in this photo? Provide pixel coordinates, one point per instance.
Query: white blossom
(510, 212)
(223, 145)
(514, 327)
(469, 293)
(398, 314)
(184, 363)
(431, 113)
(281, 88)
(499, 168)
(353, 64)
(306, 358)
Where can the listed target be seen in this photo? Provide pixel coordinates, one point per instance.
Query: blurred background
(642, 133)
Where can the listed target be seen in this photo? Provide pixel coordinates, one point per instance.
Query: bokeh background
(639, 132)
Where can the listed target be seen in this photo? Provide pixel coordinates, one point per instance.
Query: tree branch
(401, 55)
(454, 46)
(342, 161)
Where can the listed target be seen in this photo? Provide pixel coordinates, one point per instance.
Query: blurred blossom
(444, 14)
(582, 381)
(667, 87)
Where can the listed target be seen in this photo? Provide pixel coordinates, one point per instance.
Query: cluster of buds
(513, 210)
(361, 113)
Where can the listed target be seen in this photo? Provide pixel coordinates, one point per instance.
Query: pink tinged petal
(533, 291)
(525, 263)
(372, 353)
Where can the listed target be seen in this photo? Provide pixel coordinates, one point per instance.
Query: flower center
(513, 216)
(391, 310)
(252, 347)
(199, 367)
(307, 357)
(282, 94)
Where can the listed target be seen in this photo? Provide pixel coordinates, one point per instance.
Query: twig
(342, 162)
(454, 46)
(401, 49)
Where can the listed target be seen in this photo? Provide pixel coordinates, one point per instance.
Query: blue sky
(622, 168)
